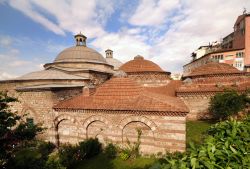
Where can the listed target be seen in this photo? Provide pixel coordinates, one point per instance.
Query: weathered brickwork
(198, 105)
(150, 79)
(159, 133)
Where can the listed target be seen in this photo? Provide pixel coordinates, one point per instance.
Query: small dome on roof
(114, 62)
(213, 68)
(139, 64)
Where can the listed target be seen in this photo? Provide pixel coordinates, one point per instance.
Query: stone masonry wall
(159, 132)
(198, 105)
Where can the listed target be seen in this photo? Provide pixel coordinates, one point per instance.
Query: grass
(196, 130)
(102, 162)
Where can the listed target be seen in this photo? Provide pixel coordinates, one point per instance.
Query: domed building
(207, 80)
(116, 111)
(65, 77)
(145, 72)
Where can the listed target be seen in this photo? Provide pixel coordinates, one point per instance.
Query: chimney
(86, 91)
(109, 53)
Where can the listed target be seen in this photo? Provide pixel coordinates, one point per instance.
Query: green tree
(13, 129)
(228, 103)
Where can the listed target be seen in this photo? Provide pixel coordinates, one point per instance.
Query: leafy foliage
(89, 148)
(69, 155)
(227, 146)
(13, 130)
(133, 149)
(33, 156)
(110, 151)
(228, 103)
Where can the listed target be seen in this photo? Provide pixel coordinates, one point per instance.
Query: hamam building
(82, 94)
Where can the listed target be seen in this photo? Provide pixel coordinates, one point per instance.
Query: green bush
(227, 146)
(68, 155)
(133, 149)
(124, 155)
(110, 151)
(53, 162)
(33, 155)
(89, 148)
(227, 103)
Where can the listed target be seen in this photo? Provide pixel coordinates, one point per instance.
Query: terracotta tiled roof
(168, 90)
(213, 68)
(216, 85)
(139, 64)
(124, 94)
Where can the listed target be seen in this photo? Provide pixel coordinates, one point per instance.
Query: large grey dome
(80, 54)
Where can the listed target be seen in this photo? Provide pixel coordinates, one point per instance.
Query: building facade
(234, 49)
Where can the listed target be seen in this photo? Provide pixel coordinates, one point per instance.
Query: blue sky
(33, 32)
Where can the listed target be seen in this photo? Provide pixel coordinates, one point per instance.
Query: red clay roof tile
(124, 94)
(139, 64)
(213, 68)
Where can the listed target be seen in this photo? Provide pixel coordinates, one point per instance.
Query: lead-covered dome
(80, 54)
(139, 64)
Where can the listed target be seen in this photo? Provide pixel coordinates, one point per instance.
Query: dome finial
(80, 39)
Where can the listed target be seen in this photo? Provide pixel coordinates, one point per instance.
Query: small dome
(139, 64)
(213, 68)
(80, 53)
(114, 62)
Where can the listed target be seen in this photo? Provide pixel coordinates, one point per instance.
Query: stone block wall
(160, 132)
(151, 79)
(198, 105)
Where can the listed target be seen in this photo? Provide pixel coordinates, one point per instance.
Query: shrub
(227, 146)
(228, 103)
(124, 155)
(28, 158)
(89, 148)
(45, 148)
(53, 162)
(68, 155)
(133, 149)
(33, 155)
(110, 151)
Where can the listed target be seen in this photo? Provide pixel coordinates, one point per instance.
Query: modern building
(234, 49)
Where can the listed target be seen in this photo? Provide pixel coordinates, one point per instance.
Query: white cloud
(68, 16)
(124, 45)
(166, 31)
(5, 41)
(195, 23)
(153, 12)
(5, 76)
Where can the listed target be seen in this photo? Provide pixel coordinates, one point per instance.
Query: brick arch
(142, 119)
(58, 120)
(33, 112)
(92, 119)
